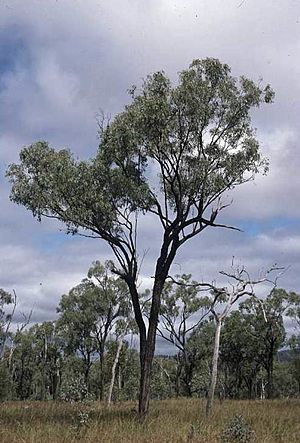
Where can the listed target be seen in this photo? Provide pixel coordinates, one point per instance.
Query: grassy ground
(170, 421)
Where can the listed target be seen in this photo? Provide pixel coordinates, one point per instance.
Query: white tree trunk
(214, 372)
(113, 371)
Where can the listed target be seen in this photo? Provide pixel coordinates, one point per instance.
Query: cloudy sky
(63, 61)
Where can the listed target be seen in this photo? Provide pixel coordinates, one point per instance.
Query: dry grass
(169, 421)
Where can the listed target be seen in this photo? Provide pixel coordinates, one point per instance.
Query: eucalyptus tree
(200, 349)
(6, 299)
(240, 351)
(47, 348)
(34, 362)
(90, 312)
(123, 327)
(294, 342)
(173, 152)
(23, 364)
(75, 324)
(182, 310)
(294, 310)
(113, 309)
(222, 301)
(267, 324)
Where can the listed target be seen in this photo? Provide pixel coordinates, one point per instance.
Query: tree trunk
(270, 384)
(147, 340)
(142, 334)
(119, 381)
(146, 374)
(250, 389)
(150, 349)
(178, 375)
(145, 380)
(113, 371)
(101, 375)
(87, 372)
(214, 373)
(187, 379)
(44, 370)
(262, 392)
(269, 390)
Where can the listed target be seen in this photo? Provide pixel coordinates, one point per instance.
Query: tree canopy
(196, 136)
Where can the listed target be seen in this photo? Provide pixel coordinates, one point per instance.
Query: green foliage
(36, 361)
(74, 389)
(294, 309)
(23, 363)
(91, 310)
(163, 378)
(6, 299)
(197, 135)
(5, 382)
(200, 350)
(237, 430)
(128, 375)
(98, 306)
(286, 379)
(241, 353)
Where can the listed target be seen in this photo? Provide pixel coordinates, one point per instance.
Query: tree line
(89, 352)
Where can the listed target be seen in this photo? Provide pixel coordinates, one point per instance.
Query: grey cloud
(77, 57)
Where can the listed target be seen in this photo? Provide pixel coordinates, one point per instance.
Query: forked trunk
(146, 372)
(214, 372)
(147, 340)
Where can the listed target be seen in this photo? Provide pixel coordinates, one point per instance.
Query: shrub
(237, 430)
(73, 389)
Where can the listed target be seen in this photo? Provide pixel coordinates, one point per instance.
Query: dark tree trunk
(150, 349)
(270, 382)
(178, 376)
(147, 340)
(249, 384)
(142, 332)
(188, 375)
(270, 366)
(87, 372)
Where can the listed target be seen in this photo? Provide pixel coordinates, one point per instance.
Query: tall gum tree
(173, 152)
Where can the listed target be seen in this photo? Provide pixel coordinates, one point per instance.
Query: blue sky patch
(256, 227)
(13, 50)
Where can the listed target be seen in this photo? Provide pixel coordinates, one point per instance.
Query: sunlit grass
(178, 420)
